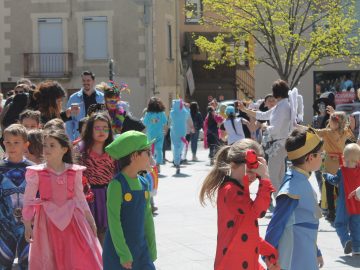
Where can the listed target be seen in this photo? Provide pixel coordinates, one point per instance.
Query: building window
(193, 11)
(96, 38)
(170, 50)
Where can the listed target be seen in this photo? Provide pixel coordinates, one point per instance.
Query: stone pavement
(186, 231)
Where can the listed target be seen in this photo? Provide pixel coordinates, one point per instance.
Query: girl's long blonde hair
(227, 154)
(341, 119)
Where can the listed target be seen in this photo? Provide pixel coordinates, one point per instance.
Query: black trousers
(330, 196)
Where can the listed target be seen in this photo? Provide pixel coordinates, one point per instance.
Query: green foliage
(291, 36)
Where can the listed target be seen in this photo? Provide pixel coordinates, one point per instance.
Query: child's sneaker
(330, 217)
(154, 209)
(348, 247)
(177, 169)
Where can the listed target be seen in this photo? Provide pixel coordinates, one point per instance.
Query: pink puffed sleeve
(32, 186)
(79, 192)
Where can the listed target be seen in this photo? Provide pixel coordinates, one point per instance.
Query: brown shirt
(334, 144)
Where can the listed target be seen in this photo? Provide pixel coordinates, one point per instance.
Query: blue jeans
(194, 141)
(348, 228)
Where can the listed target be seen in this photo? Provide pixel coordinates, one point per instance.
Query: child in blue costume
(130, 238)
(347, 220)
(178, 119)
(155, 122)
(294, 225)
(12, 188)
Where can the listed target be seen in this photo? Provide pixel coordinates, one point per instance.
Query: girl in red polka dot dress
(238, 242)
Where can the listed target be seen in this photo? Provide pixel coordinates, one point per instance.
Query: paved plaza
(186, 231)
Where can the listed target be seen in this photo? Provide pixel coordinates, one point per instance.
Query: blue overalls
(132, 220)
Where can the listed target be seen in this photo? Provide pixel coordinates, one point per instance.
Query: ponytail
(231, 117)
(227, 154)
(216, 176)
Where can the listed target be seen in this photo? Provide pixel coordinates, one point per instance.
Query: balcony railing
(48, 65)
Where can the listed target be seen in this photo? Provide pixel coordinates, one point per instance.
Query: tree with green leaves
(290, 36)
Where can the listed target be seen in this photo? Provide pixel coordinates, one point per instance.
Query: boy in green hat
(130, 238)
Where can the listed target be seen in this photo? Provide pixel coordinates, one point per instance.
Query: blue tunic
(347, 226)
(293, 227)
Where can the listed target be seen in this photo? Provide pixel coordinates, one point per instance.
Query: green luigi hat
(127, 143)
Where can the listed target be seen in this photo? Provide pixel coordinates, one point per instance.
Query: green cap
(127, 143)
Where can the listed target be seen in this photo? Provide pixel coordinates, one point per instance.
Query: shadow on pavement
(181, 175)
(353, 261)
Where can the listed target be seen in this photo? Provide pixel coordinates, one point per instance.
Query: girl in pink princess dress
(63, 235)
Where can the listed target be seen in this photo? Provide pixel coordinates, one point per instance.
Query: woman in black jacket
(198, 123)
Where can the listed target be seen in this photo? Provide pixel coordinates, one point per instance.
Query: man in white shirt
(278, 130)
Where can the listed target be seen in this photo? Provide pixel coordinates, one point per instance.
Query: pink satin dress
(62, 237)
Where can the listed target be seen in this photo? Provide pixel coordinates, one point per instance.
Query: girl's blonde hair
(341, 119)
(351, 149)
(232, 153)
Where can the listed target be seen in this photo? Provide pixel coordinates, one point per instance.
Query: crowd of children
(84, 200)
(291, 236)
(56, 214)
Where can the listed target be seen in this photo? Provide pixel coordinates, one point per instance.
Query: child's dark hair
(36, 142)
(16, 130)
(126, 161)
(231, 116)
(123, 162)
(211, 119)
(46, 95)
(82, 122)
(268, 96)
(297, 139)
(194, 108)
(231, 153)
(95, 108)
(55, 123)
(64, 141)
(35, 115)
(155, 105)
(87, 137)
(280, 89)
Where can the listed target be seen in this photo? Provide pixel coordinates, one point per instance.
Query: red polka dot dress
(238, 241)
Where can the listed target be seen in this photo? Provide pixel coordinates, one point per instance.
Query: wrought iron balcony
(48, 65)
